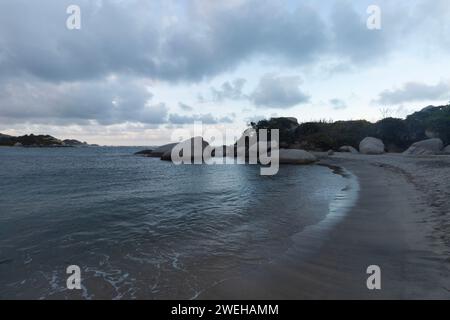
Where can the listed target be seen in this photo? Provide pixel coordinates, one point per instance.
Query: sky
(136, 70)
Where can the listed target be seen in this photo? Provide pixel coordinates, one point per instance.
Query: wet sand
(400, 222)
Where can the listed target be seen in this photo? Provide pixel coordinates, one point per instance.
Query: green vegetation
(397, 134)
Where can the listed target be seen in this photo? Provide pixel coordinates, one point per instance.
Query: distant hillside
(397, 134)
(38, 141)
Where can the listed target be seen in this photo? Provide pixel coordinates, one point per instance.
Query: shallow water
(144, 228)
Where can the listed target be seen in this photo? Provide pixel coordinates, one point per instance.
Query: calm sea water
(144, 228)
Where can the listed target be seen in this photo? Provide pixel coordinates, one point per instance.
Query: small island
(39, 141)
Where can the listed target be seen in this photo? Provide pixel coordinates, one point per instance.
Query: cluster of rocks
(165, 152)
(370, 145)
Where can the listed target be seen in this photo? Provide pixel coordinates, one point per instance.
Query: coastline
(396, 223)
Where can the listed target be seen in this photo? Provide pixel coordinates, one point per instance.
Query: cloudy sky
(137, 69)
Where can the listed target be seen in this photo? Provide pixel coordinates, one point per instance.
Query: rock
(348, 149)
(18, 144)
(330, 152)
(158, 152)
(74, 143)
(146, 152)
(446, 150)
(186, 145)
(425, 147)
(370, 145)
(296, 156)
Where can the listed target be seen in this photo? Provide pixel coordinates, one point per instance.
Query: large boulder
(370, 145)
(188, 144)
(446, 150)
(425, 147)
(158, 152)
(296, 156)
(348, 149)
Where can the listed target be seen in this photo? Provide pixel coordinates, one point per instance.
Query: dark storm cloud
(141, 37)
(414, 91)
(278, 92)
(51, 74)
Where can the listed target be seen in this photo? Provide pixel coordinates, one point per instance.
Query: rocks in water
(18, 144)
(330, 152)
(158, 152)
(446, 150)
(146, 152)
(196, 155)
(370, 145)
(425, 147)
(348, 149)
(296, 156)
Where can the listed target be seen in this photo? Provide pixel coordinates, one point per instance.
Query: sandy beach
(399, 222)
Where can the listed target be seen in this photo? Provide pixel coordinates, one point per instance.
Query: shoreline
(390, 225)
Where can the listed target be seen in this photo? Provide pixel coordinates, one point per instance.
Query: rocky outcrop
(446, 150)
(158, 152)
(370, 145)
(425, 147)
(348, 149)
(189, 144)
(146, 152)
(74, 143)
(296, 156)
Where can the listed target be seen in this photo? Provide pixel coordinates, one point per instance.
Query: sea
(142, 228)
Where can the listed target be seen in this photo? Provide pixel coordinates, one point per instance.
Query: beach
(398, 222)
(141, 228)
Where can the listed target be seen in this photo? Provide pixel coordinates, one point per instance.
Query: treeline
(397, 134)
